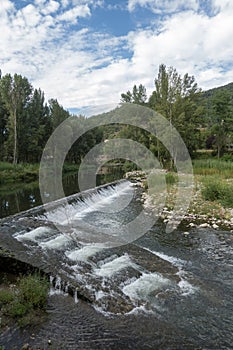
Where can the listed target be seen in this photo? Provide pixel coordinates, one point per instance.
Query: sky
(86, 53)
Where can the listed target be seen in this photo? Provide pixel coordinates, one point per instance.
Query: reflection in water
(17, 198)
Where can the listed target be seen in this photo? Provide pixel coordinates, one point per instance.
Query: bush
(171, 178)
(6, 296)
(216, 190)
(28, 297)
(32, 291)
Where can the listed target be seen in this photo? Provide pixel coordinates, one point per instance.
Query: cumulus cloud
(51, 7)
(163, 6)
(73, 14)
(82, 67)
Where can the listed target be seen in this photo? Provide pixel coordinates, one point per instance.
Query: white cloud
(50, 7)
(83, 68)
(6, 5)
(30, 16)
(72, 14)
(164, 6)
(222, 5)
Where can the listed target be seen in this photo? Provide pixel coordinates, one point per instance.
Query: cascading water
(184, 280)
(115, 280)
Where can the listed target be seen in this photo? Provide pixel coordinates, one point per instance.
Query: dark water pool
(15, 198)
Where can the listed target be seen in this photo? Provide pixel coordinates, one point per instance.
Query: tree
(138, 95)
(15, 93)
(175, 97)
(221, 119)
(57, 113)
(36, 130)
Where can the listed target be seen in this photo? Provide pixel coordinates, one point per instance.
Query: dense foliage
(204, 119)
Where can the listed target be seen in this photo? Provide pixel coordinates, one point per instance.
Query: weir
(57, 240)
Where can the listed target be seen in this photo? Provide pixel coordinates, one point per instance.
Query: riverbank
(211, 199)
(11, 174)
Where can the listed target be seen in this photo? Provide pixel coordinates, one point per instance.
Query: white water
(56, 243)
(33, 235)
(185, 287)
(110, 268)
(104, 200)
(83, 253)
(142, 287)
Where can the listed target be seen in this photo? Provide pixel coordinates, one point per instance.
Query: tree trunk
(15, 138)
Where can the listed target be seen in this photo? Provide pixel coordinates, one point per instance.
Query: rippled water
(179, 287)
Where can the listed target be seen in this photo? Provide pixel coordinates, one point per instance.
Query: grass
(212, 166)
(10, 173)
(23, 172)
(25, 301)
(216, 189)
(215, 177)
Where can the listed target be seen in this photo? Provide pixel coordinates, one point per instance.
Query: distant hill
(210, 92)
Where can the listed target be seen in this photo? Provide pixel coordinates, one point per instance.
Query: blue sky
(86, 53)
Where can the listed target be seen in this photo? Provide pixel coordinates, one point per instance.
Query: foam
(34, 234)
(142, 287)
(83, 253)
(104, 199)
(56, 243)
(110, 268)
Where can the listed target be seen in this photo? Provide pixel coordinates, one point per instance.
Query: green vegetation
(15, 174)
(203, 119)
(25, 300)
(27, 121)
(215, 189)
(215, 176)
(212, 166)
(18, 172)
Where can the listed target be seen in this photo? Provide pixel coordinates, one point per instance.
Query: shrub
(32, 291)
(171, 178)
(216, 190)
(6, 296)
(28, 297)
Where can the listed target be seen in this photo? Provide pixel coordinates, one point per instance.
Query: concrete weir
(112, 279)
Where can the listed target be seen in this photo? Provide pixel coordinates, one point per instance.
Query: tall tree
(38, 128)
(3, 129)
(222, 119)
(138, 95)
(15, 93)
(57, 113)
(175, 97)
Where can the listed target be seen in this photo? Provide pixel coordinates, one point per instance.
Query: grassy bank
(10, 174)
(25, 301)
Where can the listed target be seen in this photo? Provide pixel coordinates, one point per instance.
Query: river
(23, 196)
(193, 311)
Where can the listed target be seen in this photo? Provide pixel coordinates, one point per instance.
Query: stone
(186, 233)
(215, 226)
(204, 225)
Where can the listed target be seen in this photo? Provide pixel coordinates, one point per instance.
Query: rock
(49, 342)
(186, 233)
(204, 225)
(215, 226)
(192, 224)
